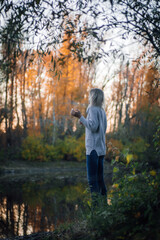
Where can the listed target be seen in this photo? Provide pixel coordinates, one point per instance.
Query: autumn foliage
(38, 93)
(40, 88)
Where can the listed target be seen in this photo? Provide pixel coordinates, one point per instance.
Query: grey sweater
(95, 128)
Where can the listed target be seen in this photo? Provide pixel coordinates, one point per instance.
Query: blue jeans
(95, 173)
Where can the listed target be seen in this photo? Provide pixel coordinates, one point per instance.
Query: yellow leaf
(134, 171)
(89, 203)
(115, 185)
(129, 158)
(115, 169)
(153, 173)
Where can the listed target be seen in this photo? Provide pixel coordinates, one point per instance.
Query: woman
(95, 129)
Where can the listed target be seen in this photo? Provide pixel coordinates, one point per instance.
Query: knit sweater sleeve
(91, 122)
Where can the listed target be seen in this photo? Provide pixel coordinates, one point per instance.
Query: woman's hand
(75, 113)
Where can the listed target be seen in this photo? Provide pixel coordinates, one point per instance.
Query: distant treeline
(38, 90)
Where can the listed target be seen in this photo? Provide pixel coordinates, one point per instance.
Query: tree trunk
(16, 110)
(54, 123)
(24, 114)
(121, 98)
(33, 113)
(127, 119)
(40, 100)
(115, 118)
(11, 108)
(6, 107)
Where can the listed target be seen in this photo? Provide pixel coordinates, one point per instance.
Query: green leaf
(115, 169)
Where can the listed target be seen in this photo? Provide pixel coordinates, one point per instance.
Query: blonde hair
(96, 97)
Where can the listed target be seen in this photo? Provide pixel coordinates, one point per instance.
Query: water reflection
(31, 206)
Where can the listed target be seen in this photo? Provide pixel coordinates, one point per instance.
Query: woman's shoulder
(93, 108)
(97, 108)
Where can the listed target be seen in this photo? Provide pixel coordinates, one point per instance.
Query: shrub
(33, 149)
(113, 149)
(156, 139)
(134, 209)
(69, 145)
(80, 151)
(53, 152)
(72, 148)
(138, 147)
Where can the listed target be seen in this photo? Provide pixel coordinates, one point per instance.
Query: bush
(53, 152)
(72, 148)
(113, 148)
(68, 147)
(80, 151)
(138, 148)
(34, 149)
(134, 199)
(156, 139)
(134, 209)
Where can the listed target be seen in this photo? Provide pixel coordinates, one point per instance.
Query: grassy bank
(133, 213)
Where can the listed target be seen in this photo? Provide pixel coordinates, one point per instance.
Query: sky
(108, 65)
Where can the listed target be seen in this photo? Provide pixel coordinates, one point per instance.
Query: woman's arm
(91, 122)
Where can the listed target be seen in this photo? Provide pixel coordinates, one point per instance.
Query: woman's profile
(95, 129)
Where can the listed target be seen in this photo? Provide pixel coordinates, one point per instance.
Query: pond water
(38, 203)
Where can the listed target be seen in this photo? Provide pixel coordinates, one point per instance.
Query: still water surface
(36, 204)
